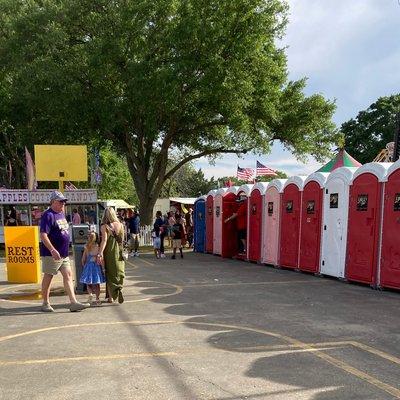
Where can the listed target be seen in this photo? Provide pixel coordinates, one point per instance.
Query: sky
(350, 53)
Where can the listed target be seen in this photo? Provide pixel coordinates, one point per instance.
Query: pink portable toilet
(245, 190)
(271, 222)
(389, 268)
(210, 221)
(256, 209)
(291, 221)
(217, 222)
(366, 195)
(311, 221)
(334, 221)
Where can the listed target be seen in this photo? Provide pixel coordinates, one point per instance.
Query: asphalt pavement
(203, 327)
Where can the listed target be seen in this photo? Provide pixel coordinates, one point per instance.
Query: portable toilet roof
(375, 168)
(233, 189)
(261, 187)
(222, 191)
(246, 188)
(298, 180)
(278, 184)
(346, 173)
(391, 169)
(342, 159)
(212, 193)
(319, 177)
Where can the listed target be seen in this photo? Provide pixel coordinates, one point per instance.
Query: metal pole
(396, 150)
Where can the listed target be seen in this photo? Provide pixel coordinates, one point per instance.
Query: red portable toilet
(291, 222)
(271, 222)
(230, 240)
(389, 268)
(311, 220)
(335, 221)
(210, 221)
(229, 244)
(364, 222)
(244, 191)
(217, 221)
(256, 209)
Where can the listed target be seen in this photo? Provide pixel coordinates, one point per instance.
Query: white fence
(145, 235)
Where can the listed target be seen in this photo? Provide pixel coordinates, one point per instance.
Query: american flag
(262, 170)
(245, 174)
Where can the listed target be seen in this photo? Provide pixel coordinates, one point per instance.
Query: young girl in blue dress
(92, 274)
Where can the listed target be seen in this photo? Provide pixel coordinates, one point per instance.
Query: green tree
(157, 77)
(367, 134)
(187, 182)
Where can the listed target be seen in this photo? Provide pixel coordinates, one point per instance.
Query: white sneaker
(162, 255)
(136, 254)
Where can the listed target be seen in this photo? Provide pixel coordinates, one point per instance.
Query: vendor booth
(311, 217)
(255, 235)
(210, 220)
(364, 222)
(389, 274)
(29, 206)
(218, 221)
(290, 221)
(334, 222)
(271, 222)
(199, 224)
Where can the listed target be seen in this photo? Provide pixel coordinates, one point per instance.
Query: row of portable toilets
(344, 224)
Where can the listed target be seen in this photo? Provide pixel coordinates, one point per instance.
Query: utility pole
(396, 150)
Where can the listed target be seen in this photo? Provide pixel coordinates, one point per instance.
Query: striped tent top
(342, 159)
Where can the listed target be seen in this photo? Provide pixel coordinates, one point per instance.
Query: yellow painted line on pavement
(377, 352)
(395, 392)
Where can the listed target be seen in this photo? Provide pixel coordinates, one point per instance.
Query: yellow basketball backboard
(61, 163)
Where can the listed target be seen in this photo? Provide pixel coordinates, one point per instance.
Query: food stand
(31, 204)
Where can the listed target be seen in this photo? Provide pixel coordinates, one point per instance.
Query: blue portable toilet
(200, 224)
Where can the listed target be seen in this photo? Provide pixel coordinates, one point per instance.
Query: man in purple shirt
(54, 251)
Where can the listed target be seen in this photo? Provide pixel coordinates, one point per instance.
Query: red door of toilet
(363, 231)
(290, 226)
(229, 229)
(255, 223)
(390, 254)
(310, 238)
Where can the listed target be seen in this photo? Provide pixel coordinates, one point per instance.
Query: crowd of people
(102, 259)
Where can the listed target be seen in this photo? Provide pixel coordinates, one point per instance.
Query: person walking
(134, 231)
(54, 252)
(92, 275)
(110, 254)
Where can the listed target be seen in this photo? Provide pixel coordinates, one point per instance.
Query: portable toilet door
(199, 224)
(334, 222)
(271, 222)
(364, 222)
(311, 218)
(229, 231)
(217, 245)
(244, 191)
(256, 207)
(390, 251)
(290, 222)
(210, 221)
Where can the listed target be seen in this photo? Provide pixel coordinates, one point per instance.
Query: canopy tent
(342, 159)
(116, 203)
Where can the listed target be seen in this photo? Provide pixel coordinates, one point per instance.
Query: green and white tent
(342, 159)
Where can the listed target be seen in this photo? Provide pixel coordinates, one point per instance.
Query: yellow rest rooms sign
(22, 254)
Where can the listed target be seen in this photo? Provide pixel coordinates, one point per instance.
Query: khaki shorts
(176, 243)
(51, 266)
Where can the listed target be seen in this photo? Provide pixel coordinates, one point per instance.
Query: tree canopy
(157, 78)
(367, 134)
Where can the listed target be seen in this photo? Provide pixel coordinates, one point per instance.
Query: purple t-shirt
(56, 227)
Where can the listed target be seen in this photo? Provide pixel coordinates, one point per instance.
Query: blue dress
(92, 273)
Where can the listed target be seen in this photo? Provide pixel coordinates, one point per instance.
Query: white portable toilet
(217, 222)
(271, 222)
(335, 222)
